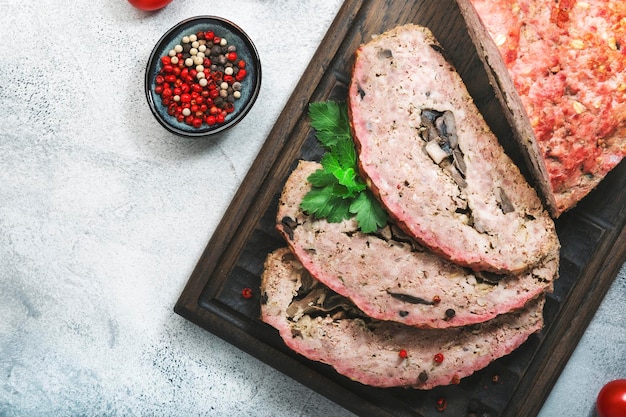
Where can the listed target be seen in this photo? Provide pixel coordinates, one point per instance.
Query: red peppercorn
(436, 299)
(217, 40)
(403, 354)
(438, 358)
(246, 293)
(441, 404)
(231, 56)
(241, 64)
(240, 75)
(209, 34)
(197, 122)
(166, 60)
(219, 118)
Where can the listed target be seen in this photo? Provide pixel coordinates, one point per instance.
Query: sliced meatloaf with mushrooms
(429, 156)
(390, 277)
(325, 327)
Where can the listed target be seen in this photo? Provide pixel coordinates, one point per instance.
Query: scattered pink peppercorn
(438, 357)
(441, 404)
(403, 353)
(246, 293)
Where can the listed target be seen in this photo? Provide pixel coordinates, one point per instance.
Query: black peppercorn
(423, 376)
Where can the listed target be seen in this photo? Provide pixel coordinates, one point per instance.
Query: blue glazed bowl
(250, 86)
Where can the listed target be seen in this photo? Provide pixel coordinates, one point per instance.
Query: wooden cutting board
(593, 239)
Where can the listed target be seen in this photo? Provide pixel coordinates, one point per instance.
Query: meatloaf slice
(429, 156)
(325, 327)
(390, 277)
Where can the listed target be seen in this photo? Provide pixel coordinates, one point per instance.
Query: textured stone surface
(103, 215)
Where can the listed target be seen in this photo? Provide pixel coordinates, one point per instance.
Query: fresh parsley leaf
(330, 121)
(323, 203)
(321, 178)
(369, 214)
(345, 176)
(337, 191)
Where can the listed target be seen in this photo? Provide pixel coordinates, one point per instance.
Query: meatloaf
(390, 277)
(325, 327)
(567, 63)
(429, 156)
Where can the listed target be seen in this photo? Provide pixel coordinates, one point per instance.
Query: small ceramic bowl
(250, 85)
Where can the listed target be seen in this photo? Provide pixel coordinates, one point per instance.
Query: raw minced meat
(567, 60)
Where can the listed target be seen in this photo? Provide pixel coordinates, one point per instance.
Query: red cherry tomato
(149, 5)
(611, 400)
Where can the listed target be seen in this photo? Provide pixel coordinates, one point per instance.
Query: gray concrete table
(103, 215)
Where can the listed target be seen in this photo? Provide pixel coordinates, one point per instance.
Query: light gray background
(103, 215)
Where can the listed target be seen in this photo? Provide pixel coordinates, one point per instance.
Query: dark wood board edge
(568, 328)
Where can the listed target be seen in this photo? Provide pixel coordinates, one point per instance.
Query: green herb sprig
(337, 191)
